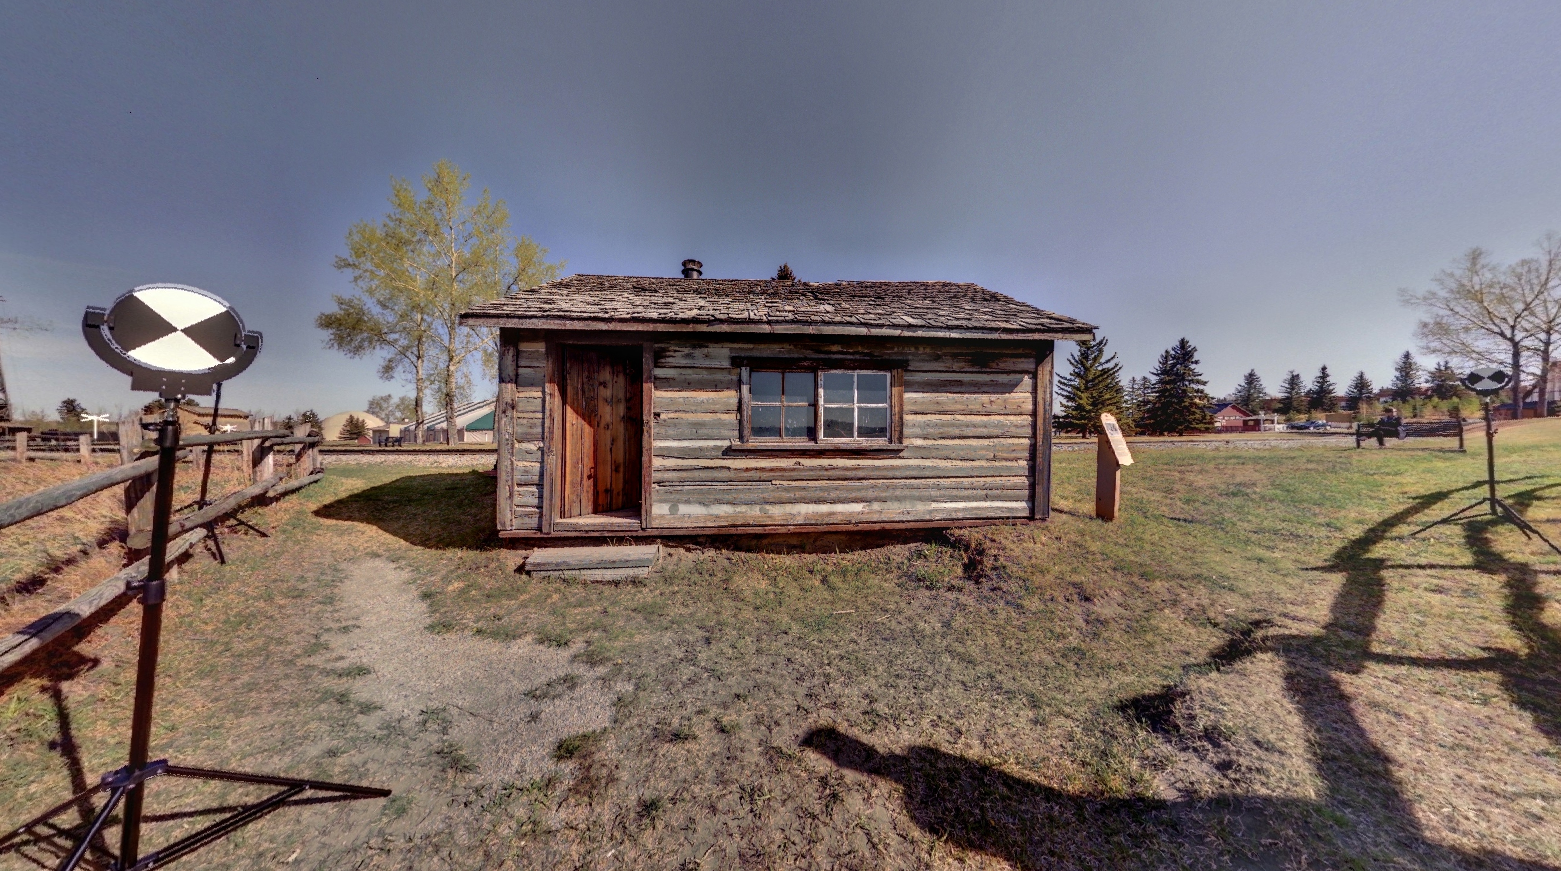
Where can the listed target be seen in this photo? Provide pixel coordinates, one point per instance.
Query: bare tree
(1478, 313)
(1541, 276)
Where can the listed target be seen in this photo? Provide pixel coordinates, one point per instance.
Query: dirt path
(501, 706)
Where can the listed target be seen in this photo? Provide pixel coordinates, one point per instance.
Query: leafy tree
(354, 428)
(1406, 378)
(1360, 393)
(784, 273)
(1446, 383)
(70, 410)
(391, 408)
(1178, 401)
(1320, 397)
(1250, 393)
(1292, 396)
(430, 259)
(1093, 386)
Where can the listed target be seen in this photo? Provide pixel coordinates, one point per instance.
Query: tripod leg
(1451, 517)
(1528, 529)
(92, 831)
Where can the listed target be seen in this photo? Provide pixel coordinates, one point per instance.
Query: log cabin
(666, 406)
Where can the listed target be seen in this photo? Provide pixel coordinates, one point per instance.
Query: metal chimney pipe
(693, 269)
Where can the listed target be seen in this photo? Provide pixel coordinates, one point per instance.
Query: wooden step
(590, 561)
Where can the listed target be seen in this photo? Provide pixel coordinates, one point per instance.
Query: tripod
(127, 785)
(1493, 504)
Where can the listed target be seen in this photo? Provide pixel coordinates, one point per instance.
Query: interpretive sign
(1118, 442)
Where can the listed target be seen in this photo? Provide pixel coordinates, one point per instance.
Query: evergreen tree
(70, 410)
(1446, 383)
(1093, 386)
(1321, 395)
(784, 273)
(1250, 394)
(354, 428)
(1406, 378)
(1178, 401)
(1135, 399)
(1360, 393)
(1292, 396)
(312, 419)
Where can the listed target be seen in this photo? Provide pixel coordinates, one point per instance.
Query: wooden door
(601, 462)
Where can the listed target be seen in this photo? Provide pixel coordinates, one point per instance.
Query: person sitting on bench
(1390, 424)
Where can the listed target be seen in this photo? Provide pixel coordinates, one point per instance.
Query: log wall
(522, 378)
(969, 436)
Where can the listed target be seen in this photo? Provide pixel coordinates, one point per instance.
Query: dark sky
(1258, 177)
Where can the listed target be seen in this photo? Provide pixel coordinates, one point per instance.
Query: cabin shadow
(447, 510)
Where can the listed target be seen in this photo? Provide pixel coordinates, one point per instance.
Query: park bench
(1417, 429)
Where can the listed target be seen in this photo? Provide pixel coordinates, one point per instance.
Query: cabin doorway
(602, 423)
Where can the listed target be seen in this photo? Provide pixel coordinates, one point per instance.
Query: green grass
(1255, 666)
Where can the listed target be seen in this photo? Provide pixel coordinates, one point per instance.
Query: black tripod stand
(128, 785)
(1492, 504)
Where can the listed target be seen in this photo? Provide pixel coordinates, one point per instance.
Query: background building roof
(901, 308)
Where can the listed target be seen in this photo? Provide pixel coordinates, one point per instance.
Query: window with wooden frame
(834, 404)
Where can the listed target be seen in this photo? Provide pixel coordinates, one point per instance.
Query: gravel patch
(501, 706)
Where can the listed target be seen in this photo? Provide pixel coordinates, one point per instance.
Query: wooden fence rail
(61, 495)
(137, 474)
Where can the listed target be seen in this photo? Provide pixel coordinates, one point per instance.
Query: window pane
(872, 423)
(872, 388)
(837, 421)
(799, 419)
(799, 388)
(765, 387)
(839, 387)
(766, 421)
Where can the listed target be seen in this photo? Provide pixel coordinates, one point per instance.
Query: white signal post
(96, 419)
(1111, 454)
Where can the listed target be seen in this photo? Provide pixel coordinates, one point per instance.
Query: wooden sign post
(1111, 454)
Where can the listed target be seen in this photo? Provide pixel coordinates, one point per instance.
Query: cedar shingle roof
(928, 308)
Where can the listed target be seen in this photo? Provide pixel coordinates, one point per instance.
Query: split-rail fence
(137, 472)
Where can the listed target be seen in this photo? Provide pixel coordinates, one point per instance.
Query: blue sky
(1258, 177)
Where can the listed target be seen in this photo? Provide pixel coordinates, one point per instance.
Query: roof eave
(1074, 334)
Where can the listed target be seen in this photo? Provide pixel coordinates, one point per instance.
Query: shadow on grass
(439, 511)
(981, 808)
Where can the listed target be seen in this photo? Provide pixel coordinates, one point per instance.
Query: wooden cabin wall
(969, 433)
(522, 377)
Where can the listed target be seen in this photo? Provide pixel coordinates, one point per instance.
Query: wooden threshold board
(595, 563)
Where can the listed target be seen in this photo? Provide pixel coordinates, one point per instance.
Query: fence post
(21, 447)
(84, 441)
(262, 461)
(138, 492)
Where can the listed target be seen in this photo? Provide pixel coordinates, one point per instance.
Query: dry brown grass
(48, 560)
(1255, 669)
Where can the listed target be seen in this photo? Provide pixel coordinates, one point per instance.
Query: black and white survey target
(171, 338)
(1488, 381)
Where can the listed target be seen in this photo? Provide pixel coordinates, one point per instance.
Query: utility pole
(5, 398)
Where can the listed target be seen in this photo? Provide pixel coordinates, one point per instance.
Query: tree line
(1173, 398)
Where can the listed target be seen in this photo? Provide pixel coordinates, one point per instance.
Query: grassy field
(1255, 669)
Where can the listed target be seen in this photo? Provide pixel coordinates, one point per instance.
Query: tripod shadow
(982, 808)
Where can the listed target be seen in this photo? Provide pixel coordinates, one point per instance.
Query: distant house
(473, 424)
(1230, 417)
(197, 419)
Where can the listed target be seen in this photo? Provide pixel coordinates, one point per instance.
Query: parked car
(1309, 424)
